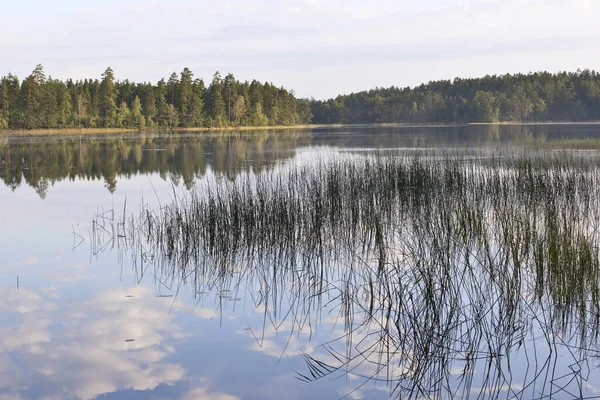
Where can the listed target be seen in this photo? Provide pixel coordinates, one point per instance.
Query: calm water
(83, 318)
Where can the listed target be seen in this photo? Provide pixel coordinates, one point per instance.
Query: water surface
(83, 316)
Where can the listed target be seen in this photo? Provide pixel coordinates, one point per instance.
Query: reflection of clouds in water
(82, 351)
(291, 347)
(370, 392)
(65, 274)
(31, 261)
(497, 389)
(10, 397)
(23, 301)
(592, 389)
(32, 270)
(284, 340)
(215, 312)
(200, 392)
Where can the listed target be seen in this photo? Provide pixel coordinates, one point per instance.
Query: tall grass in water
(447, 270)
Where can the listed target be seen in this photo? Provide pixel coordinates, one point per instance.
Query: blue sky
(318, 48)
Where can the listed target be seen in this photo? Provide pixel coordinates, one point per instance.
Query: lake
(362, 262)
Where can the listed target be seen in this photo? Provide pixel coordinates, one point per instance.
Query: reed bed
(452, 274)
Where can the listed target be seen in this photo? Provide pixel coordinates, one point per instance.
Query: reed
(435, 262)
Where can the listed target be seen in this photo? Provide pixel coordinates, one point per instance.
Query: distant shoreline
(99, 131)
(537, 123)
(91, 131)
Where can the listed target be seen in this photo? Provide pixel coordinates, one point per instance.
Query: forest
(183, 101)
(541, 96)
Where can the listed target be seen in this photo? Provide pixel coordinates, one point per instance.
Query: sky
(317, 48)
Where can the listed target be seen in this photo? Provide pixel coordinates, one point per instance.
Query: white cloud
(284, 42)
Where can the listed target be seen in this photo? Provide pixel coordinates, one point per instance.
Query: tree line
(542, 96)
(182, 101)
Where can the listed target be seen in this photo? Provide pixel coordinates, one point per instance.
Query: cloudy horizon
(318, 49)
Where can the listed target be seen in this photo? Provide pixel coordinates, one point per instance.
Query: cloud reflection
(200, 392)
(115, 340)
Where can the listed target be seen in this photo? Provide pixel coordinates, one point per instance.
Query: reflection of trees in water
(181, 158)
(437, 277)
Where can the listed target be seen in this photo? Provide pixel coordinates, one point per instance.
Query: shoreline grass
(110, 131)
(85, 131)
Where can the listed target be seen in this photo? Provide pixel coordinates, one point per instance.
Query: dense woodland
(532, 97)
(182, 101)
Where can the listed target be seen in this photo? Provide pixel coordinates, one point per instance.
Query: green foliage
(196, 106)
(239, 109)
(485, 107)
(229, 94)
(215, 102)
(108, 100)
(172, 116)
(181, 102)
(532, 97)
(258, 117)
(123, 116)
(37, 102)
(185, 94)
(162, 107)
(136, 118)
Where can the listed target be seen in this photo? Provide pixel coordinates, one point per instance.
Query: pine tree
(229, 93)
(108, 100)
(172, 86)
(185, 98)
(216, 104)
(197, 103)
(162, 107)
(4, 104)
(32, 91)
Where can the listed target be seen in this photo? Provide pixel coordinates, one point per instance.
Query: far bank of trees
(182, 101)
(538, 96)
(185, 101)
